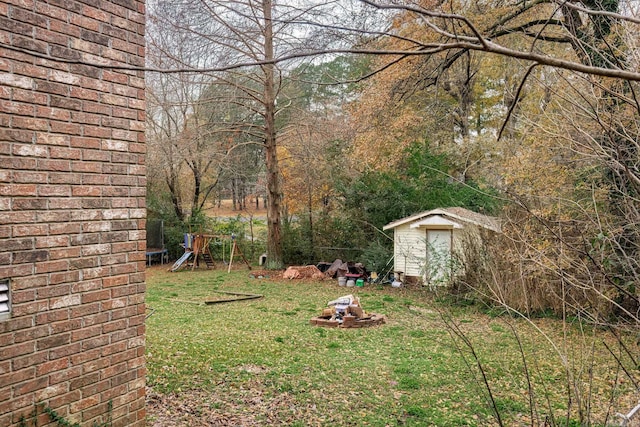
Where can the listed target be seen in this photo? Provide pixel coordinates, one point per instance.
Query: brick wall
(72, 212)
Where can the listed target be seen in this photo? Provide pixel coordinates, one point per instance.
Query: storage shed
(424, 244)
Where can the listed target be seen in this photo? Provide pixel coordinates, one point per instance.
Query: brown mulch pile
(303, 272)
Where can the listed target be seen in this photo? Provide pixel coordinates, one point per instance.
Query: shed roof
(456, 213)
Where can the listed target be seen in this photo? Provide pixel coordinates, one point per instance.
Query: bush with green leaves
(353, 232)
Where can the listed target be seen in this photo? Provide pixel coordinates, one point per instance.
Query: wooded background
(342, 117)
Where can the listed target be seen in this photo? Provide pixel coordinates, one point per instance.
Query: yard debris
(237, 296)
(339, 268)
(303, 272)
(346, 312)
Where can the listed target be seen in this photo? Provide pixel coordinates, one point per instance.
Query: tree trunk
(197, 184)
(274, 188)
(310, 211)
(171, 181)
(234, 197)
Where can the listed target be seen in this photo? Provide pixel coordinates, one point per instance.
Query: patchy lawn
(260, 362)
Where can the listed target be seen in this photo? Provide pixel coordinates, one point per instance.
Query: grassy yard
(260, 362)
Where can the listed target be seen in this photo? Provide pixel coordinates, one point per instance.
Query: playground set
(197, 249)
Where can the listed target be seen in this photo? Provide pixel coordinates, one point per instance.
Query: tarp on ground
(338, 268)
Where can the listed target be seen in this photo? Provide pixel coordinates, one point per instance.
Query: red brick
(64, 153)
(17, 108)
(76, 262)
(30, 386)
(54, 341)
(96, 342)
(64, 204)
(118, 311)
(65, 253)
(95, 411)
(54, 190)
(95, 107)
(18, 190)
(73, 208)
(52, 316)
(126, 334)
(30, 257)
(114, 259)
(29, 308)
(122, 355)
(64, 351)
(52, 366)
(85, 118)
(97, 132)
(53, 165)
(66, 228)
(24, 177)
(101, 180)
(66, 300)
(97, 388)
(85, 403)
(30, 230)
(51, 139)
(66, 128)
(100, 364)
(14, 405)
(59, 401)
(66, 325)
(18, 376)
(85, 310)
(92, 82)
(99, 295)
(51, 391)
(51, 241)
(31, 334)
(32, 359)
(64, 178)
(19, 297)
(85, 356)
(88, 285)
(84, 333)
(126, 113)
(52, 216)
(52, 11)
(124, 269)
(29, 17)
(54, 291)
(30, 123)
(52, 37)
(80, 142)
(66, 375)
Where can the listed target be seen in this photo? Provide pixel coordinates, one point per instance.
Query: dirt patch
(225, 209)
(253, 369)
(248, 406)
(266, 274)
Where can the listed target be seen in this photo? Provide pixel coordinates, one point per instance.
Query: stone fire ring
(372, 319)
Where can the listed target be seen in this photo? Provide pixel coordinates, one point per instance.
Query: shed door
(438, 256)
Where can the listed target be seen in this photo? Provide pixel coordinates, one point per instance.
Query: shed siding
(410, 250)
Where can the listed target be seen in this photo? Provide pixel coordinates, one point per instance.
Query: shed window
(5, 299)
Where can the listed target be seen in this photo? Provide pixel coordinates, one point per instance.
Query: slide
(176, 266)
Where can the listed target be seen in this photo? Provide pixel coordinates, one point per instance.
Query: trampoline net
(155, 234)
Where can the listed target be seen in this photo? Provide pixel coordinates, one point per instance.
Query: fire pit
(346, 312)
